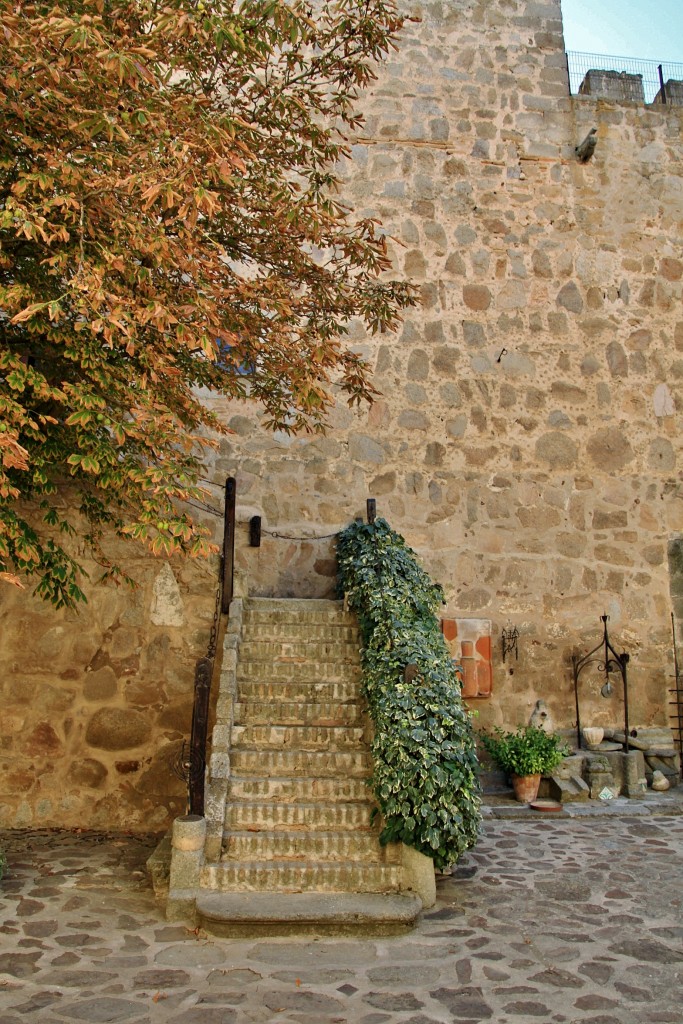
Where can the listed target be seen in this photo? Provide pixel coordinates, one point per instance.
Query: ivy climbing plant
(425, 769)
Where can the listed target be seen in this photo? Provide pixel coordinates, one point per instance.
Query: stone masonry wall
(96, 704)
(526, 442)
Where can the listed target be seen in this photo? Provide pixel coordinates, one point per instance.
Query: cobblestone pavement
(566, 920)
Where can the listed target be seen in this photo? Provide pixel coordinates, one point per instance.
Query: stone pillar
(418, 875)
(187, 860)
(634, 775)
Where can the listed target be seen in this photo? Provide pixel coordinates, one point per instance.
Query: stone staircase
(290, 841)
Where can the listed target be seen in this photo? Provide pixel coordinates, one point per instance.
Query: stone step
(295, 790)
(342, 692)
(300, 876)
(306, 846)
(297, 737)
(298, 652)
(314, 764)
(310, 671)
(298, 610)
(298, 713)
(314, 817)
(295, 631)
(237, 915)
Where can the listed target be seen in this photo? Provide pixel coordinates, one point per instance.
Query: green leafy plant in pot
(525, 754)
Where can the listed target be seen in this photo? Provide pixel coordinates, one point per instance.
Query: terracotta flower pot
(526, 787)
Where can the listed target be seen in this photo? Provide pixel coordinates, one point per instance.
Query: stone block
(568, 790)
(572, 767)
(672, 93)
(670, 767)
(418, 875)
(181, 906)
(634, 784)
(117, 729)
(188, 833)
(613, 85)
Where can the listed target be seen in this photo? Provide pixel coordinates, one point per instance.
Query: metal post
(228, 543)
(662, 87)
(372, 510)
(200, 723)
(678, 692)
(255, 532)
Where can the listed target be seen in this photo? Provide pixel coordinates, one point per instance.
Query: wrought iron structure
(190, 765)
(228, 543)
(677, 693)
(509, 639)
(608, 662)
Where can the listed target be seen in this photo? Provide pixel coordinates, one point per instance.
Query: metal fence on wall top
(624, 78)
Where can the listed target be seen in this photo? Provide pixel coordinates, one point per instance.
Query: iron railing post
(228, 543)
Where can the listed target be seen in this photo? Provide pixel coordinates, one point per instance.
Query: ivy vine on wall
(425, 769)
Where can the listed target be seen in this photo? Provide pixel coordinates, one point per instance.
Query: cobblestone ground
(547, 920)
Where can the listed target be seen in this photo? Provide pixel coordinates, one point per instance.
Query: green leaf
(425, 770)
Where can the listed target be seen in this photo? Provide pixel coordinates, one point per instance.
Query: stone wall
(526, 442)
(96, 704)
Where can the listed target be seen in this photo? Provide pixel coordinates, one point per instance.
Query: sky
(649, 29)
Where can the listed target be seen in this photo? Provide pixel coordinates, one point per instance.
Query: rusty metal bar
(200, 725)
(255, 532)
(677, 704)
(661, 83)
(228, 543)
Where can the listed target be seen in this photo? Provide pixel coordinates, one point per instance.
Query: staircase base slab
(235, 915)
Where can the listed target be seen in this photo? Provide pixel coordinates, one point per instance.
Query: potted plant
(526, 755)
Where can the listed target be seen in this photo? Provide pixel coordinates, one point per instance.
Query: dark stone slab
(37, 1002)
(40, 929)
(19, 965)
(27, 908)
(237, 978)
(464, 1002)
(394, 1001)
(66, 960)
(78, 940)
(159, 979)
(526, 1009)
(103, 1011)
(636, 995)
(557, 978)
(302, 1002)
(650, 952)
(567, 890)
(404, 974)
(76, 978)
(593, 1001)
(599, 973)
(314, 976)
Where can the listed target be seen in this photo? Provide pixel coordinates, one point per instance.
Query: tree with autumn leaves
(169, 223)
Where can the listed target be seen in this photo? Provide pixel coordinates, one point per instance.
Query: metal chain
(287, 536)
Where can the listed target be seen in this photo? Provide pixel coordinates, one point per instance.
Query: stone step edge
(294, 833)
(294, 603)
(246, 802)
(295, 782)
(226, 865)
(234, 914)
(242, 776)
